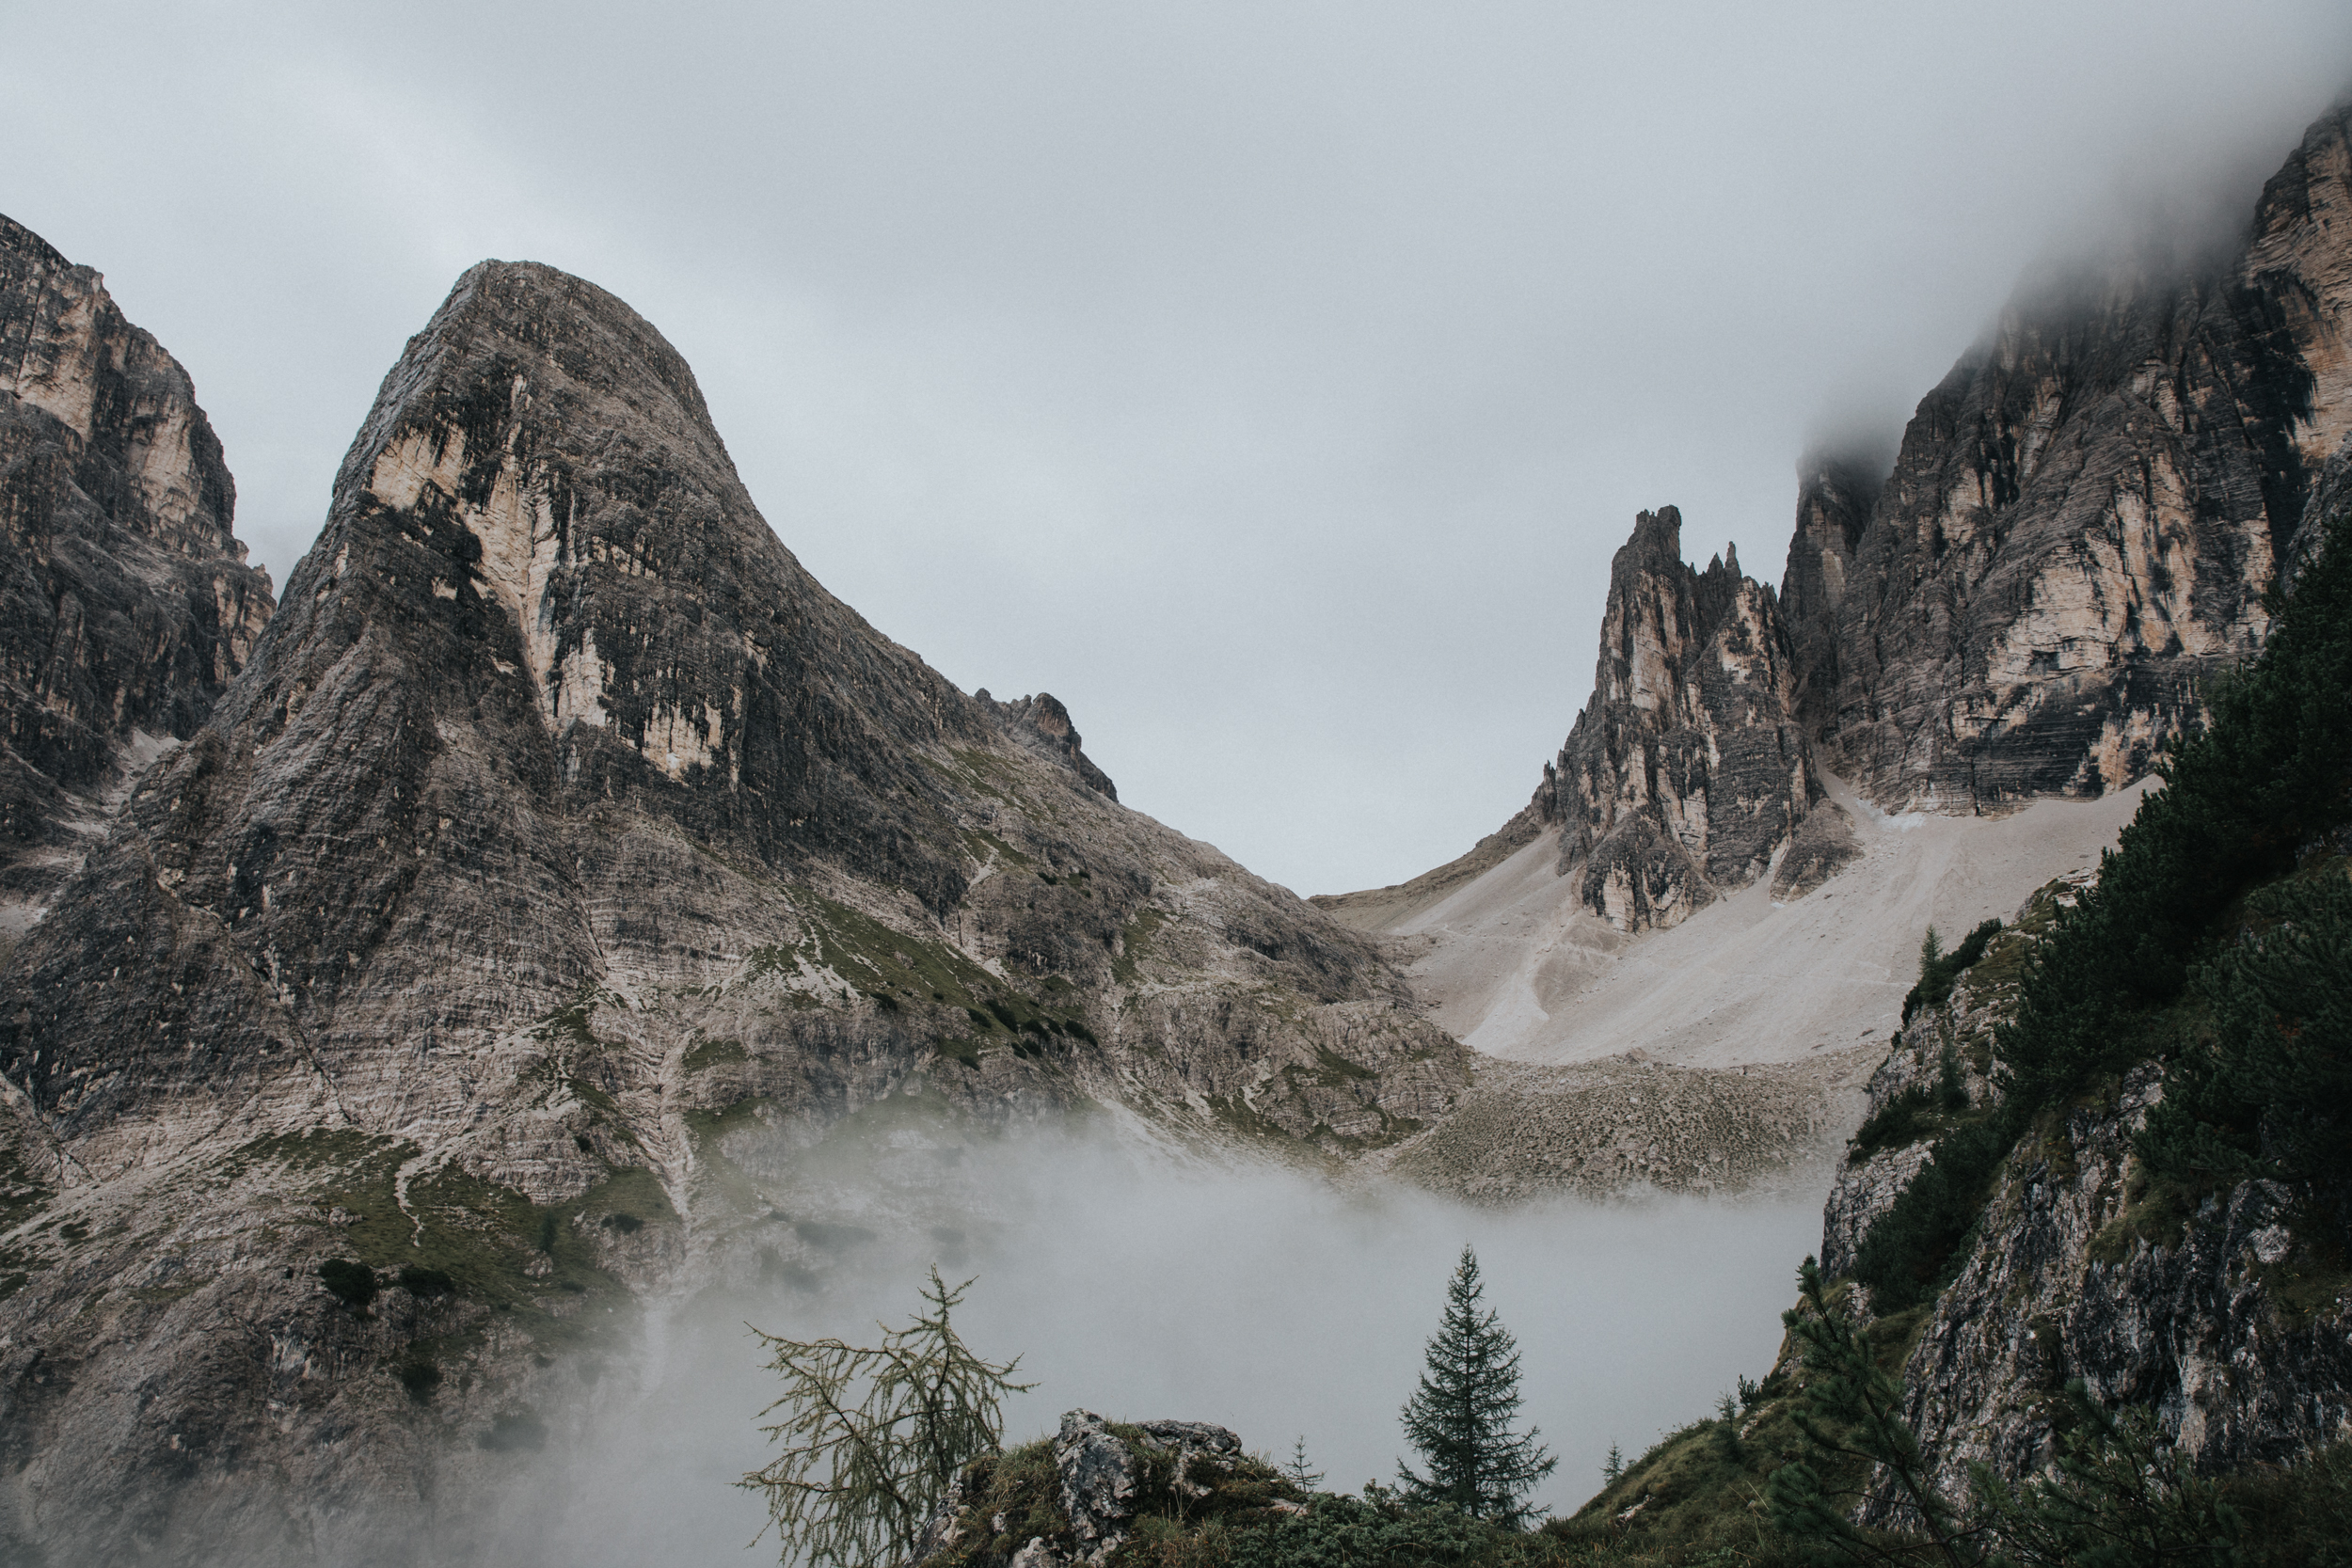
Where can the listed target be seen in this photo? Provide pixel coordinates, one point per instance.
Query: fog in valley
(1142, 1284)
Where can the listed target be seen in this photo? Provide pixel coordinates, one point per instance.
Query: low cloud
(1143, 1285)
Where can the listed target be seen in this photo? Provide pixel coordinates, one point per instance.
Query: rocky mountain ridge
(2084, 516)
(2075, 535)
(563, 859)
(127, 607)
(2222, 1321)
(1685, 773)
(560, 858)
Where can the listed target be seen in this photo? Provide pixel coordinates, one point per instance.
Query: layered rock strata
(2206, 1324)
(126, 606)
(1685, 773)
(562, 857)
(2085, 514)
(2077, 532)
(1042, 724)
(1834, 497)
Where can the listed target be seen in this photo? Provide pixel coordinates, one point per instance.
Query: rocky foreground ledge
(1079, 1498)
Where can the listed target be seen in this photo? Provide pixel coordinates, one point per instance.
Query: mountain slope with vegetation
(2100, 1208)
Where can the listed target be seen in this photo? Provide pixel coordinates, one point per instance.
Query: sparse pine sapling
(1950, 1088)
(352, 1281)
(1297, 1471)
(1727, 1428)
(1613, 1468)
(1460, 1418)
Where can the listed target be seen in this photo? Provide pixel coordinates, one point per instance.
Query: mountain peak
(1684, 772)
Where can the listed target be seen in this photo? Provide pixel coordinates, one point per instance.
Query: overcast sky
(1269, 381)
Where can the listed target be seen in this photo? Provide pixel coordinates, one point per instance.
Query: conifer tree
(1298, 1472)
(873, 1436)
(1460, 1418)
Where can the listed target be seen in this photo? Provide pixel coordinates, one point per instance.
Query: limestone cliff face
(126, 606)
(1685, 771)
(563, 858)
(2077, 532)
(2201, 1324)
(2085, 514)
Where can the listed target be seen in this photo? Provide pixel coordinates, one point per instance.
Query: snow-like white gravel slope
(1513, 965)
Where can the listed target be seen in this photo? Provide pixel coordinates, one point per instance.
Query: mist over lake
(1145, 1285)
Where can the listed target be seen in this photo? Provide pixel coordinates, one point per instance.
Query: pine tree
(1298, 1472)
(1460, 1418)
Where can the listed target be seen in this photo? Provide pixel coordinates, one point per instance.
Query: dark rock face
(1685, 773)
(2077, 533)
(2066, 1277)
(1824, 845)
(125, 604)
(2079, 528)
(2196, 1326)
(1835, 496)
(563, 857)
(2085, 514)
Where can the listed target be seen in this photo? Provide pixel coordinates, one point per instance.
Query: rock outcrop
(1824, 845)
(1960, 1028)
(2077, 533)
(2225, 1323)
(1103, 1477)
(2085, 514)
(126, 606)
(1686, 771)
(2204, 1321)
(561, 859)
(1042, 724)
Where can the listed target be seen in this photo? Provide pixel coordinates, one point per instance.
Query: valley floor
(1728, 1053)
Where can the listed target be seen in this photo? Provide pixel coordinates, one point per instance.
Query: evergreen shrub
(352, 1281)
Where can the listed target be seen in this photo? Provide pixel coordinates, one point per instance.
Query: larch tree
(873, 1437)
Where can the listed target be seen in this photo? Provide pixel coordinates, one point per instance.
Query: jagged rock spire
(1685, 771)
